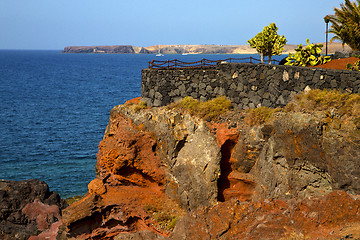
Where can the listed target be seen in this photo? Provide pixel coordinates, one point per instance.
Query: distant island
(187, 49)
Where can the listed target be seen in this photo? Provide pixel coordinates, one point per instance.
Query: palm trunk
(262, 57)
(269, 59)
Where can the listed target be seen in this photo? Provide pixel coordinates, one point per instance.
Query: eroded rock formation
(28, 208)
(231, 179)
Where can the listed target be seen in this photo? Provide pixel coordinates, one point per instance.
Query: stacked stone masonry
(246, 85)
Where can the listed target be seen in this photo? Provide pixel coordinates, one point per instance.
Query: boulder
(28, 208)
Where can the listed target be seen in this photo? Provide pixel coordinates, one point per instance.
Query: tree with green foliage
(268, 42)
(346, 24)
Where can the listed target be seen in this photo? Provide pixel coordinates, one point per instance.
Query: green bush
(171, 225)
(141, 105)
(189, 103)
(309, 55)
(355, 67)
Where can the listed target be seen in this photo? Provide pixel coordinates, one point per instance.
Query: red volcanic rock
(127, 155)
(120, 209)
(232, 183)
(28, 208)
(236, 181)
(187, 151)
(47, 217)
(49, 233)
(42, 213)
(130, 180)
(223, 133)
(312, 218)
(133, 101)
(241, 186)
(140, 235)
(96, 186)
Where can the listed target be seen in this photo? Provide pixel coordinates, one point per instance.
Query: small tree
(268, 42)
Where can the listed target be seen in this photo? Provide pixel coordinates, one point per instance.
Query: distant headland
(187, 49)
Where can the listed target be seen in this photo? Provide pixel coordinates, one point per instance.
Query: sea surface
(55, 108)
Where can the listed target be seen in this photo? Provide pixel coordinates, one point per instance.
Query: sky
(50, 24)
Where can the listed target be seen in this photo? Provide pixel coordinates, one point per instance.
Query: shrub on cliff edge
(259, 115)
(207, 110)
(344, 103)
(141, 105)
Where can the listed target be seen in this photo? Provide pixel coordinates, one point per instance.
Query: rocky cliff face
(290, 178)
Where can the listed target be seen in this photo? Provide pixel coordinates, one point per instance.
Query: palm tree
(346, 24)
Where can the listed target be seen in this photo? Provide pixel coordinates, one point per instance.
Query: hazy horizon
(45, 25)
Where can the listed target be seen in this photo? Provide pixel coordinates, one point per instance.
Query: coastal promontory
(167, 173)
(184, 49)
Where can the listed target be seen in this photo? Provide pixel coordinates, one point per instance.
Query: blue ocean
(55, 108)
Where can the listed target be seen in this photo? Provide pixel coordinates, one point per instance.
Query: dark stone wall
(246, 85)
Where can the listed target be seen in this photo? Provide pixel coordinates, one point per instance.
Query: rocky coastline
(162, 173)
(295, 176)
(186, 49)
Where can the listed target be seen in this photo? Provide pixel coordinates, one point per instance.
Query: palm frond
(346, 24)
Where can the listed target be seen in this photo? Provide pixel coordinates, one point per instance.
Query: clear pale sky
(50, 24)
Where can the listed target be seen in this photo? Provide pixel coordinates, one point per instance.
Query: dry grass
(259, 115)
(329, 101)
(325, 100)
(208, 110)
(165, 219)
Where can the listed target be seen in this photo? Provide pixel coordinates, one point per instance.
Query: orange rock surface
(129, 182)
(126, 156)
(133, 101)
(312, 218)
(338, 63)
(232, 183)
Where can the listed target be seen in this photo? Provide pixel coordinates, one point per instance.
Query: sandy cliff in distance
(164, 174)
(189, 49)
